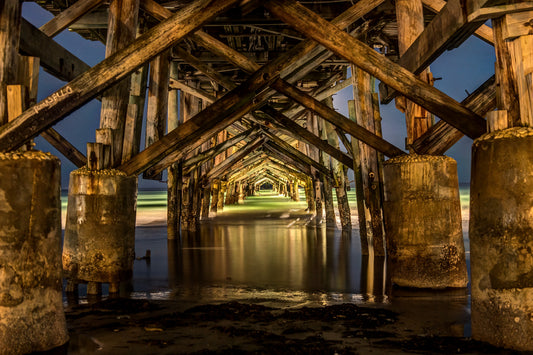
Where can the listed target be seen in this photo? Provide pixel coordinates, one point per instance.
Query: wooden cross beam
(199, 93)
(283, 147)
(287, 159)
(202, 157)
(248, 65)
(282, 86)
(220, 169)
(442, 136)
(108, 72)
(484, 32)
(399, 78)
(55, 59)
(223, 112)
(447, 30)
(307, 136)
(337, 119)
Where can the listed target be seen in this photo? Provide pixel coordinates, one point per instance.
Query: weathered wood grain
(109, 71)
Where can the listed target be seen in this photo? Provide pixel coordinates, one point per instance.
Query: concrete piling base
(423, 222)
(501, 238)
(100, 227)
(31, 307)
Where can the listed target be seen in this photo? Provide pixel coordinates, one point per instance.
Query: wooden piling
(122, 30)
(157, 110)
(10, 21)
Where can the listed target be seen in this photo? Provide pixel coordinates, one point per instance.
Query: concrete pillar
(100, 227)
(423, 222)
(31, 305)
(501, 238)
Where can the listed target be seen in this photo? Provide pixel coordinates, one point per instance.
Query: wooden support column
(367, 171)
(313, 153)
(157, 110)
(10, 20)
(174, 172)
(221, 195)
(513, 43)
(215, 193)
(122, 29)
(338, 174)
(191, 194)
(410, 19)
(327, 191)
(135, 111)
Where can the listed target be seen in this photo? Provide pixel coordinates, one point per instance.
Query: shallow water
(269, 251)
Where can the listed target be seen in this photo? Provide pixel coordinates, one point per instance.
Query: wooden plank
(378, 66)
(10, 21)
(134, 113)
(16, 101)
(517, 25)
(69, 16)
(95, 153)
(108, 72)
(442, 136)
(307, 136)
(156, 114)
(55, 59)
(287, 159)
(522, 56)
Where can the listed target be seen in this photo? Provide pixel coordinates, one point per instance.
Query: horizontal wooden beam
(108, 72)
(377, 65)
(55, 59)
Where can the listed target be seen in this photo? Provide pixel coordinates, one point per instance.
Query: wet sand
(126, 326)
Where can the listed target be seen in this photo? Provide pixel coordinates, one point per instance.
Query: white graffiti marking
(50, 100)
